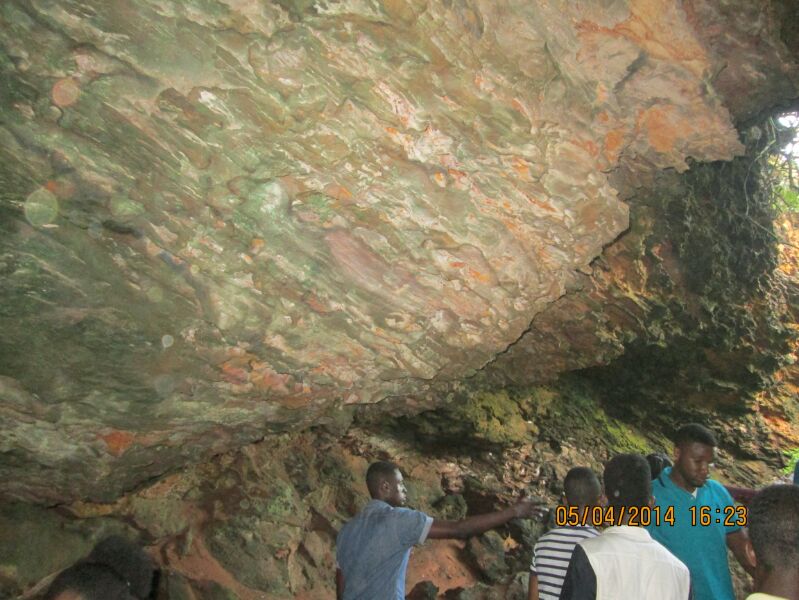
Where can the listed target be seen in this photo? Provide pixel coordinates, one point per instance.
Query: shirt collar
(636, 533)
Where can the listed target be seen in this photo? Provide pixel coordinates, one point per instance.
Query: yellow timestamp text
(729, 516)
(603, 516)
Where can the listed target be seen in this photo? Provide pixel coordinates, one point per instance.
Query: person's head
(581, 487)
(385, 483)
(657, 462)
(694, 452)
(773, 520)
(628, 481)
(88, 581)
(128, 560)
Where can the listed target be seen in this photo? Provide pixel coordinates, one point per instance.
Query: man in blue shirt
(372, 549)
(706, 522)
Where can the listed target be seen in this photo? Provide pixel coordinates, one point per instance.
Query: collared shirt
(703, 548)
(551, 557)
(372, 550)
(624, 562)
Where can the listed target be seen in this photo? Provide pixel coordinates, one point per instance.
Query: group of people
(649, 533)
(636, 538)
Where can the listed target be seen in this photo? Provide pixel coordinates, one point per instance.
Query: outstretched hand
(530, 507)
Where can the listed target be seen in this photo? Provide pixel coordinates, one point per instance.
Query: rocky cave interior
(249, 246)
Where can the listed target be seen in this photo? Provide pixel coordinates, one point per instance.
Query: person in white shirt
(624, 561)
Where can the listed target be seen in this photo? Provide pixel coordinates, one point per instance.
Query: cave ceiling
(224, 218)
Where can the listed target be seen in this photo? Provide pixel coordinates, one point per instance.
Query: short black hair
(628, 481)
(581, 486)
(377, 472)
(90, 581)
(128, 560)
(694, 433)
(657, 462)
(774, 526)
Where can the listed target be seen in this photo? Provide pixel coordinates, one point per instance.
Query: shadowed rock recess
(227, 220)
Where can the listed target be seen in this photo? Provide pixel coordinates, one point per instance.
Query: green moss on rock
(494, 417)
(480, 418)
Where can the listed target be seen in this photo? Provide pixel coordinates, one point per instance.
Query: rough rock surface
(690, 297)
(224, 219)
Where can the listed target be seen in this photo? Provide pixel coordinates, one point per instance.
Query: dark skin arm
(339, 584)
(736, 542)
(532, 593)
(470, 526)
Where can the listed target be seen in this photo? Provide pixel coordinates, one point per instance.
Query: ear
(651, 502)
(749, 551)
(676, 454)
(563, 499)
(603, 499)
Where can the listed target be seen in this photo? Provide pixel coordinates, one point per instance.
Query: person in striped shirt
(554, 549)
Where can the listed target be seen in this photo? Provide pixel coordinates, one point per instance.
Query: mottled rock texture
(223, 219)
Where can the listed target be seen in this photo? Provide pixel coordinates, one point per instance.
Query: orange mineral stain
(61, 189)
(266, 378)
(315, 304)
(339, 192)
(602, 93)
(613, 143)
(521, 168)
(661, 130)
(589, 146)
(541, 204)
(118, 441)
(232, 373)
(481, 277)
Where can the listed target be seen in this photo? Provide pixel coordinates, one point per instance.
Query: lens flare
(41, 208)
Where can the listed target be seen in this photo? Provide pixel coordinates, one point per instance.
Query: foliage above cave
(721, 313)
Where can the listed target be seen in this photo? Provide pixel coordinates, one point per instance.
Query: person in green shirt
(706, 521)
(773, 543)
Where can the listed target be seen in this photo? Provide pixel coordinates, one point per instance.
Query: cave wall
(246, 248)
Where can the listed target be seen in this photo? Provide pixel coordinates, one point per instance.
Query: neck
(784, 584)
(680, 482)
